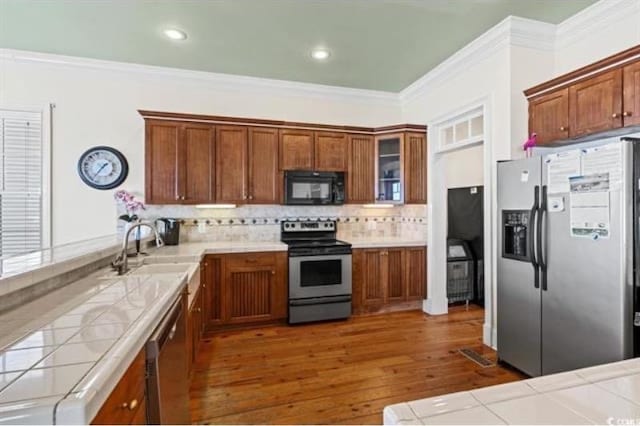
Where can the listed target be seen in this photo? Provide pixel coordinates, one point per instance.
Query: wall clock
(103, 167)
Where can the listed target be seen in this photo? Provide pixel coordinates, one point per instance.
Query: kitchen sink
(156, 268)
(164, 268)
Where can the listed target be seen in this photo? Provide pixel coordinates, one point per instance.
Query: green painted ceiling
(375, 44)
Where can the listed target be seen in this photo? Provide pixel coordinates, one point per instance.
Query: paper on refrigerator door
(589, 211)
(560, 167)
(604, 159)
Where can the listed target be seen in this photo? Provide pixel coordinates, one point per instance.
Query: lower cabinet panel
(386, 277)
(126, 403)
(245, 288)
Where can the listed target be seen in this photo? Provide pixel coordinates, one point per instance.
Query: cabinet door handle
(615, 115)
(626, 114)
(563, 129)
(251, 197)
(130, 405)
(273, 272)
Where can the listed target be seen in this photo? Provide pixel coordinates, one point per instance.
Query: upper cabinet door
(296, 150)
(197, 179)
(162, 148)
(596, 104)
(415, 168)
(549, 116)
(264, 177)
(231, 164)
(390, 168)
(330, 152)
(631, 94)
(361, 174)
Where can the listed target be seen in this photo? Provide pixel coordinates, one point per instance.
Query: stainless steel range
(319, 271)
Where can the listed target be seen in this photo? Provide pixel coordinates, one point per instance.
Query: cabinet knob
(563, 129)
(273, 272)
(626, 114)
(198, 310)
(615, 115)
(130, 405)
(251, 197)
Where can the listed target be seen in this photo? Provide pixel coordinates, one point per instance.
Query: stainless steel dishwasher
(167, 377)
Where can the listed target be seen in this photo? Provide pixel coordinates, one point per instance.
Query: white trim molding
(217, 80)
(511, 31)
(600, 14)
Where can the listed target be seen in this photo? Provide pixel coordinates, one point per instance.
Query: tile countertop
(62, 354)
(605, 394)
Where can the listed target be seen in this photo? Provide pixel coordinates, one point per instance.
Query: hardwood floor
(338, 372)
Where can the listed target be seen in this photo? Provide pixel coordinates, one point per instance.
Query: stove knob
(286, 225)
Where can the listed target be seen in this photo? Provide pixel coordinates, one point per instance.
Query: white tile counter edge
(81, 406)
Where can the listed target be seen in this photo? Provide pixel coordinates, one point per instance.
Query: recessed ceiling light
(174, 34)
(320, 54)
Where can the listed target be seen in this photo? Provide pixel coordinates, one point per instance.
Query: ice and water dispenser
(515, 224)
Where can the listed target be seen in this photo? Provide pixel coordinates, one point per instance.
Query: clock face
(103, 167)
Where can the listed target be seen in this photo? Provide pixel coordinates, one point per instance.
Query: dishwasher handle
(166, 330)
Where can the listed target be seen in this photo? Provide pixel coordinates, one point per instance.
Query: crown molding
(214, 80)
(511, 31)
(600, 14)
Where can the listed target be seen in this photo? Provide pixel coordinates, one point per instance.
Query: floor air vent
(476, 357)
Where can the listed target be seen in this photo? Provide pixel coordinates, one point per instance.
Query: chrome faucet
(121, 262)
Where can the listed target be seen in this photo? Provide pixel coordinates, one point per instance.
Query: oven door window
(307, 190)
(314, 273)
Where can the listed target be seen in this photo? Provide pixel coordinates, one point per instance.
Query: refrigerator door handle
(541, 237)
(533, 235)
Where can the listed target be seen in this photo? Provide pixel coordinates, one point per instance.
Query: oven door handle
(320, 300)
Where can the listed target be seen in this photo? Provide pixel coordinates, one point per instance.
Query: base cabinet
(195, 328)
(244, 288)
(126, 403)
(387, 276)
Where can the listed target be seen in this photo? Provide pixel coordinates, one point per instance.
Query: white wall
(99, 107)
(464, 167)
(601, 30)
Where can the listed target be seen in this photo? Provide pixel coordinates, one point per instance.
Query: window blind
(21, 153)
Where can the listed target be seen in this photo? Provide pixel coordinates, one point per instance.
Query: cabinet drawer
(127, 398)
(250, 260)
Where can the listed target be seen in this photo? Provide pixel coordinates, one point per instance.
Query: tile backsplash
(262, 223)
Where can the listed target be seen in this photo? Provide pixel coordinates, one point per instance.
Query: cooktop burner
(312, 238)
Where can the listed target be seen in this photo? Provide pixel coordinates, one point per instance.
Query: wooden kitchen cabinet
(415, 168)
(631, 94)
(307, 150)
(231, 164)
(330, 152)
(549, 116)
(361, 172)
(126, 403)
(415, 273)
(264, 178)
(195, 328)
(251, 288)
(596, 104)
(296, 149)
(211, 277)
(179, 161)
(389, 169)
(386, 276)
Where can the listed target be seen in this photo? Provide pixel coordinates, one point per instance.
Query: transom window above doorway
(462, 130)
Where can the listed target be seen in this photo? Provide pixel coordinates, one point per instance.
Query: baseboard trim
(489, 336)
(436, 306)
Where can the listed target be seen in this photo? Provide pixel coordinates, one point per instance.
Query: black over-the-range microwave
(304, 188)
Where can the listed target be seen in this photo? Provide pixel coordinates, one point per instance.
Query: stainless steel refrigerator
(568, 224)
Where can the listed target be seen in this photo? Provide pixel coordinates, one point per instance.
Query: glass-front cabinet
(390, 169)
